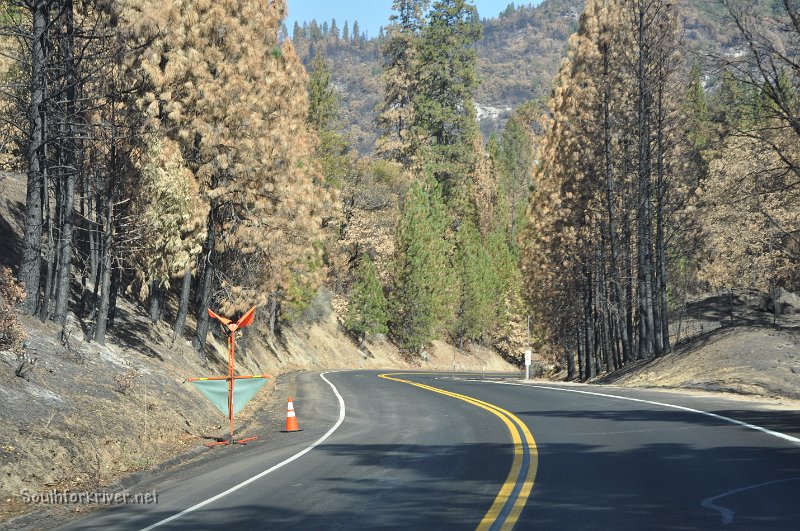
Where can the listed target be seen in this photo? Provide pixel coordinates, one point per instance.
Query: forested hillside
(518, 56)
(196, 155)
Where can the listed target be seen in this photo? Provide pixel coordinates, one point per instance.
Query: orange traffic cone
(291, 419)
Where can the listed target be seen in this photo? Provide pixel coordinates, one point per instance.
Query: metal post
(527, 363)
(454, 362)
(230, 380)
(528, 355)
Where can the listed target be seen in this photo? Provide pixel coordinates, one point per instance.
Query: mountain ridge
(518, 56)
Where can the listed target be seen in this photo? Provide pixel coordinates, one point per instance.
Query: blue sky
(370, 14)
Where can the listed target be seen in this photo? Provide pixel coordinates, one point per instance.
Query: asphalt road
(425, 451)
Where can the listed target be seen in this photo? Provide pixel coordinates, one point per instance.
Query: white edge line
(265, 472)
(779, 435)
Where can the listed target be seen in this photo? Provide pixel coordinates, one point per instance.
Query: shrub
(11, 293)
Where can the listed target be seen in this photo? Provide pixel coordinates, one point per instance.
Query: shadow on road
(386, 486)
(658, 486)
(782, 421)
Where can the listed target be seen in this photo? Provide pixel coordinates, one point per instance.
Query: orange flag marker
(214, 387)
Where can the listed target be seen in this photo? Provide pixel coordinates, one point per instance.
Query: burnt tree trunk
(644, 292)
(205, 286)
(104, 284)
(31, 266)
(70, 170)
(274, 305)
(580, 353)
(116, 284)
(183, 304)
(616, 280)
(570, 363)
(106, 266)
(661, 262)
(49, 249)
(588, 325)
(156, 301)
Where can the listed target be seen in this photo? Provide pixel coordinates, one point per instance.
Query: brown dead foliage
(11, 293)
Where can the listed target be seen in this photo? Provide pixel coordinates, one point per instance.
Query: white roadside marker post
(527, 365)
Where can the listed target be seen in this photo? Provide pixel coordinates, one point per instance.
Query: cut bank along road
(422, 451)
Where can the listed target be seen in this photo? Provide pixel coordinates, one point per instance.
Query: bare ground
(732, 343)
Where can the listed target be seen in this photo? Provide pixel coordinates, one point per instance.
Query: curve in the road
(265, 472)
(516, 489)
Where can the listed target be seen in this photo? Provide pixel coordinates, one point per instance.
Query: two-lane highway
(425, 451)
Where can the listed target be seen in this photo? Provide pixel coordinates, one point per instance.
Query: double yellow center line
(510, 501)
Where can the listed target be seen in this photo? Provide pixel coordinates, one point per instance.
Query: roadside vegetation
(167, 159)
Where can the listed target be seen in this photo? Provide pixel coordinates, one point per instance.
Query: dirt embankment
(730, 342)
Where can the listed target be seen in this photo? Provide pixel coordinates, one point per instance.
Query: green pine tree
(697, 111)
(444, 108)
(479, 285)
(504, 257)
(323, 101)
(324, 113)
(420, 301)
(366, 312)
(401, 82)
(514, 158)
